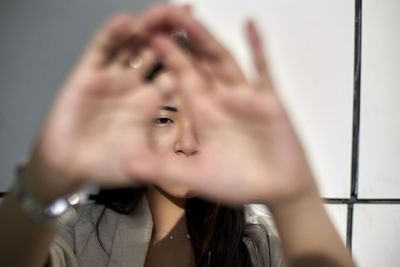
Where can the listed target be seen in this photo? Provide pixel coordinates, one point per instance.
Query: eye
(163, 121)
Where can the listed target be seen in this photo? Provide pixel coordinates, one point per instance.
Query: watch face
(58, 207)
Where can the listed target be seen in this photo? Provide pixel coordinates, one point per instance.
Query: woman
(216, 137)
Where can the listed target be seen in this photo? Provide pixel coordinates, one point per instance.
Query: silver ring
(135, 62)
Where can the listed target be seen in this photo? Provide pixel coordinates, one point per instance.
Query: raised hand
(99, 122)
(248, 149)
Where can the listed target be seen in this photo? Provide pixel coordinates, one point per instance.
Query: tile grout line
(348, 201)
(356, 121)
(349, 230)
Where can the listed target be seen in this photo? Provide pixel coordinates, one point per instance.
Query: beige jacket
(125, 238)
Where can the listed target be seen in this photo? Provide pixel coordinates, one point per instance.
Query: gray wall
(40, 42)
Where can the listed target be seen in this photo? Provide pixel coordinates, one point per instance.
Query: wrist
(42, 211)
(291, 192)
(302, 205)
(307, 197)
(307, 232)
(45, 185)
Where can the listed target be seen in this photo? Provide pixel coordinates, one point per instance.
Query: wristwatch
(41, 213)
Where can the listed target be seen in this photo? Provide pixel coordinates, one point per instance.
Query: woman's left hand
(249, 151)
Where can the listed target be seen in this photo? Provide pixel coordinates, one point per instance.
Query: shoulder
(87, 215)
(260, 221)
(75, 218)
(78, 238)
(75, 226)
(261, 237)
(80, 225)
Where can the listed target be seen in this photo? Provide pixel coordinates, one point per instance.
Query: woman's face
(174, 134)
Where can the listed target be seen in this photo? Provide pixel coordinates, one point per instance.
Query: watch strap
(41, 213)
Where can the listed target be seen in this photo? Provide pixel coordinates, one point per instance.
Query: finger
(170, 54)
(264, 78)
(136, 63)
(148, 101)
(139, 62)
(187, 8)
(121, 59)
(158, 168)
(165, 83)
(108, 39)
(148, 59)
(200, 40)
(194, 176)
(168, 17)
(188, 79)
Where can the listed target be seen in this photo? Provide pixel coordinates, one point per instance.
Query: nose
(186, 143)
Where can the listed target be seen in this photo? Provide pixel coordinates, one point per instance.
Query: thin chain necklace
(172, 235)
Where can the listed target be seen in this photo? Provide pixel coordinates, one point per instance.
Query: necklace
(172, 235)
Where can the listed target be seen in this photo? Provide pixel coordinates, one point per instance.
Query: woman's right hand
(99, 121)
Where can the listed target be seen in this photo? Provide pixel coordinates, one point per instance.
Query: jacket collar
(132, 237)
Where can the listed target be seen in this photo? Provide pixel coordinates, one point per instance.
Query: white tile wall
(310, 45)
(376, 235)
(379, 164)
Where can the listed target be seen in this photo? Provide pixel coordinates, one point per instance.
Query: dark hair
(217, 232)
